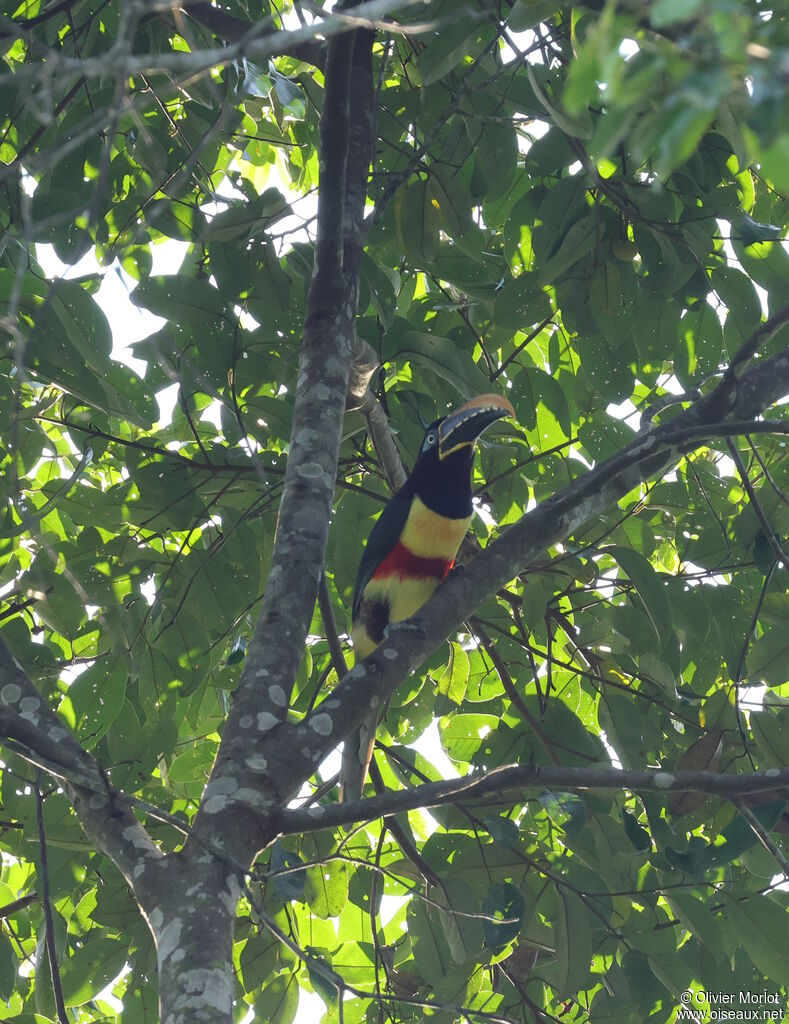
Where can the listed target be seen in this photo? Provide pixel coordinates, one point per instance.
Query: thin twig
(330, 627)
(529, 338)
(46, 905)
(767, 475)
(383, 442)
(751, 632)
(764, 522)
(511, 691)
(17, 905)
(764, 837)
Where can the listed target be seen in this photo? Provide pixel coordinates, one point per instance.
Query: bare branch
(16, 905)
(233, 29)
(363, 366)
(46, 904)
(26, 718)
(511, 781)
(381, 435)
(260, 42)
(245, 787)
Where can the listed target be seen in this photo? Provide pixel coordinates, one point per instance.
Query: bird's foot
(409, 625)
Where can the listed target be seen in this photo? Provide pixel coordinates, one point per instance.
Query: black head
(442, 474)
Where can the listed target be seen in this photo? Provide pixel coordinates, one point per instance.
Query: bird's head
(462, 428)
(442, 474)
(457, 433)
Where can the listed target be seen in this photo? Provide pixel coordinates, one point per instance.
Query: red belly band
(402, 562)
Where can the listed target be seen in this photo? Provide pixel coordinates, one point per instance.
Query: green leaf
(182, 300)
(576, 128)
(700, 920)
(95, 698)
(8, 967)
(506, 905)
(238, 651)
(738, 837)
(91, 968)
(383, 295)
(194, 764)
(774, 161)
(495, 158)
(767, 658)
(751, 231)
(449, 193)
(573, 943)
(258, 960)
(521, 303)
(462, 735)
(650, 589)
(431, 952)
(565, 810)
(637, 835)
(737, 293)
(279, 1000)
(577, 243)
(762, 925)
(612, 300)
(445, 51)
(525, 14)
(453, 681)
(663, 13)
(443, 357)
(503, 830)
(532, 388)
(418, 222)
(290, 884)
(703, 337)
(326, 888)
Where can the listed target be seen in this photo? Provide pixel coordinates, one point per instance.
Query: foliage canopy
(583, 206)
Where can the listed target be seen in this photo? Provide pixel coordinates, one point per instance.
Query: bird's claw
(408, 625)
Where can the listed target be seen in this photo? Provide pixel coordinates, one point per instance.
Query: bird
(412, 548)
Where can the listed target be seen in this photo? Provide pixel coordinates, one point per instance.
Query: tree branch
(246, 785)
(233, 30)
(46, 905)
(503, 782)
(383, 442)
(259, 43)
(363, 366)
(109, 823)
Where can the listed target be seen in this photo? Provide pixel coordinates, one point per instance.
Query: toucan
(412, 548)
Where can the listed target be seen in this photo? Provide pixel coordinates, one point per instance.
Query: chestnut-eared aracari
(412, 547)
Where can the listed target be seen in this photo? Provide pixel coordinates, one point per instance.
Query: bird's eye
(431, 438)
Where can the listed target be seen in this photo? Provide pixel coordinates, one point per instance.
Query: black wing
(383, 537)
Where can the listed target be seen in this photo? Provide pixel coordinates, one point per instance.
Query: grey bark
(511, 782)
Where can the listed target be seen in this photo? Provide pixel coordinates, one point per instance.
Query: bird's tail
(357, 753)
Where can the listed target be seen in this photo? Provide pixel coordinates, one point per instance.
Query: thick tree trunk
(193, 928)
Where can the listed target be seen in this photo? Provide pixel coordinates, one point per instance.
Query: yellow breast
(430, 535)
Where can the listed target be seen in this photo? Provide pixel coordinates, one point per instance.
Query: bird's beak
(463, 426)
